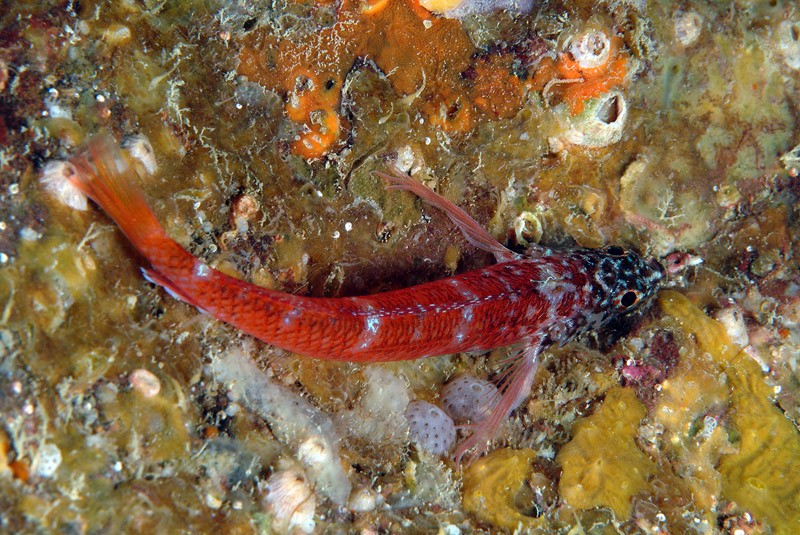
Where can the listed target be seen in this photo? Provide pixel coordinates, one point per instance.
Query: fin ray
(515, 384)
(474, 233)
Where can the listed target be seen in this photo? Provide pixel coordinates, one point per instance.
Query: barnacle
(788, 34)
(591, 50)
(141, 152)
(55, 180)
(291, 501)
(688, 25)
(145, 382)
(600, 123)
(116, 34)
(363, 499)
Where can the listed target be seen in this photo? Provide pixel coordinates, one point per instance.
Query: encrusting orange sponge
(593, 64)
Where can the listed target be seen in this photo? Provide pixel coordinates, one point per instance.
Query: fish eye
(628, 299)
(615, 250)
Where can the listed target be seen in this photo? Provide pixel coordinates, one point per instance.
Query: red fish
(531, 300)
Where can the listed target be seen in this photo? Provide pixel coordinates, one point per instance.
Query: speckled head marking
(620, 282)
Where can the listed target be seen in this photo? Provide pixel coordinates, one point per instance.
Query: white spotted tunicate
(430, 427)
(466, 398)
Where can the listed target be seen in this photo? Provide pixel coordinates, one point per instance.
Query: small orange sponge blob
(313, 103)
(593, 63)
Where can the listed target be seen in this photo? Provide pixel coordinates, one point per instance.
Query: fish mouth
(659, 271)
(658, 274)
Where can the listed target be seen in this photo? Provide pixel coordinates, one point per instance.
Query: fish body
(552, 297)
(533, 300)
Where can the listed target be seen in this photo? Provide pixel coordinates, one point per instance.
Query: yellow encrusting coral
(602, 465)
(691, 435)
(490, 485)
(762, 476)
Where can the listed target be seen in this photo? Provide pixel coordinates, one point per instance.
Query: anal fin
(513, 387)
(157, 278)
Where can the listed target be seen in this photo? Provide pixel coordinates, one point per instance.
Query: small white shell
(55, 180)
(363, 499)
(591, 49)
(733, 321)
(430, 427)
(466, 398)
(688, 26)
(145, 382)
(47, 460)
(291, 501)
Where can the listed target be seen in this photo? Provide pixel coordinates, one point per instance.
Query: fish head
(621, 282)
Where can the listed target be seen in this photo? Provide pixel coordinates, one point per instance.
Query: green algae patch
(761, 475)
(602, 466)
(491, 484)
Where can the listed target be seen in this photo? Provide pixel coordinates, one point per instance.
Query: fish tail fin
(101, 172)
